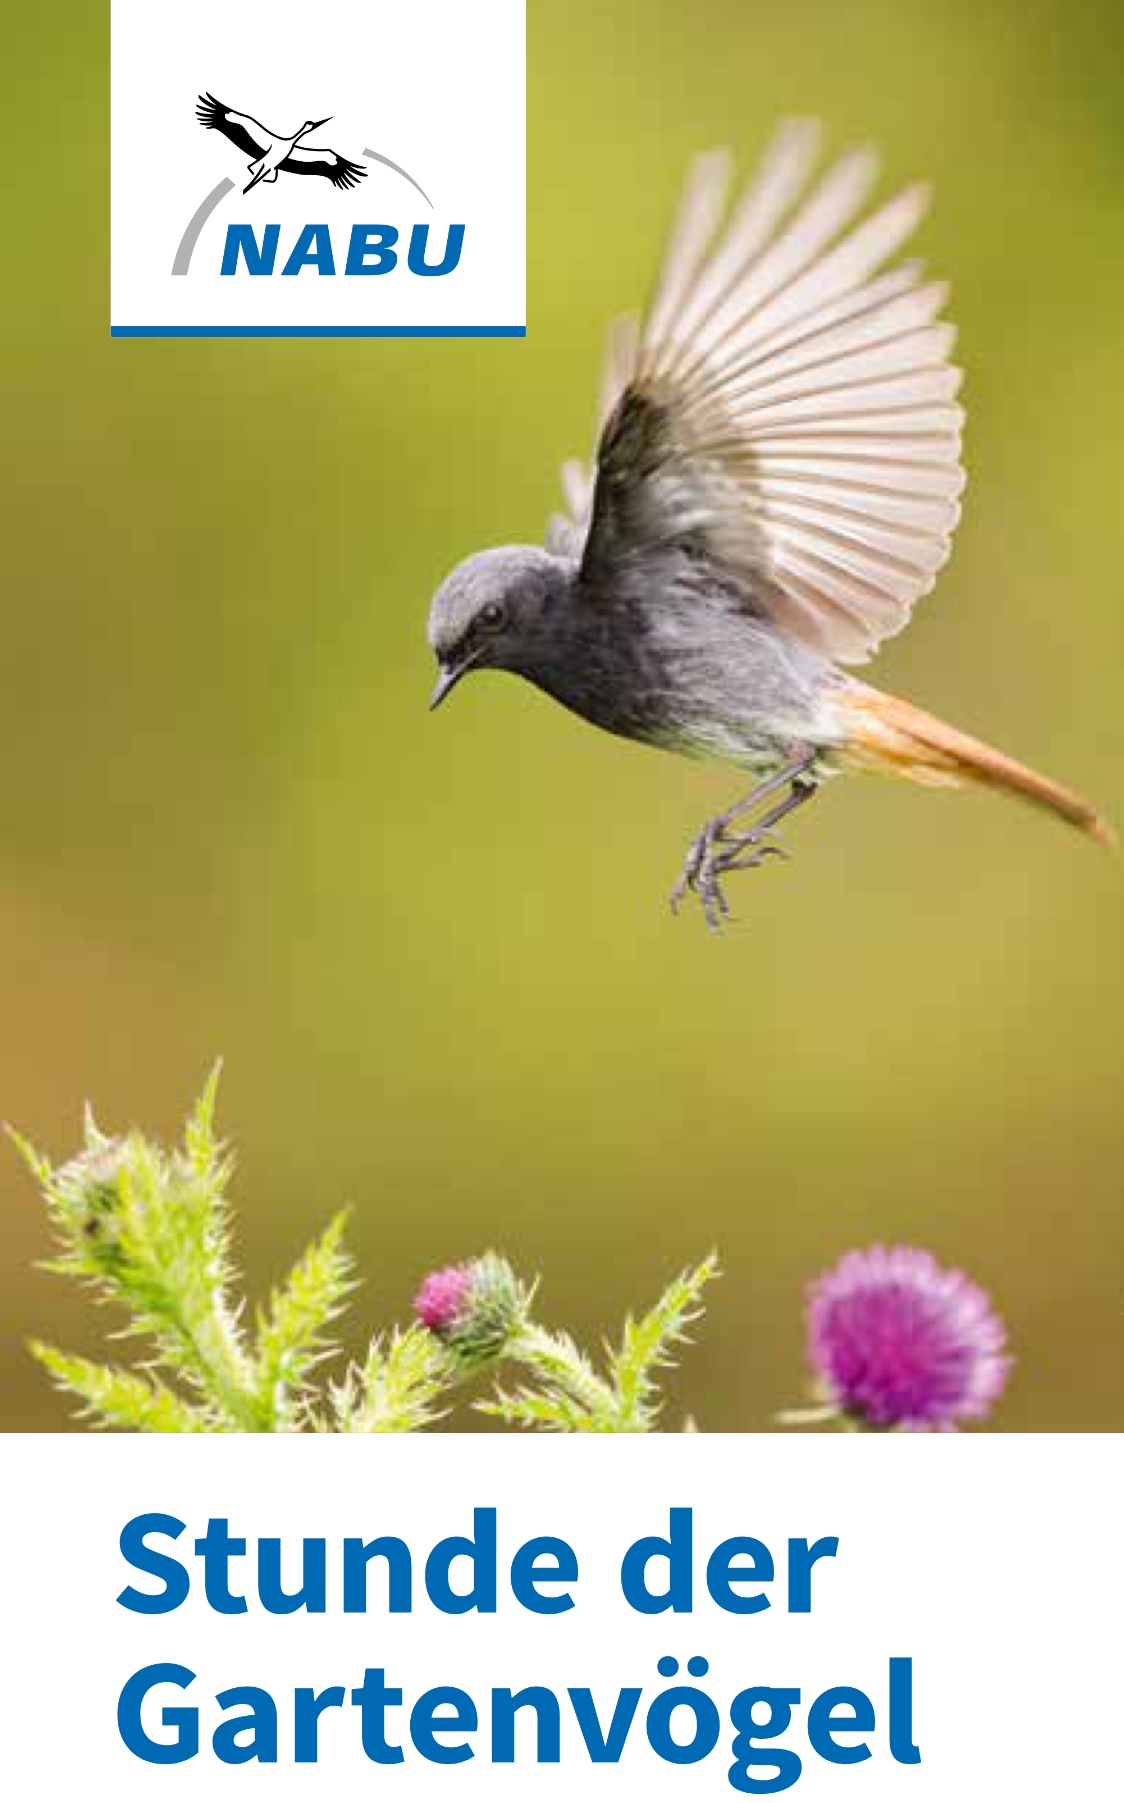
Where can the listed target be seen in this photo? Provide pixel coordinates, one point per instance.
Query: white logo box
(417, 156)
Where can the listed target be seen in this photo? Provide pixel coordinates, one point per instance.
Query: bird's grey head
(494, 613)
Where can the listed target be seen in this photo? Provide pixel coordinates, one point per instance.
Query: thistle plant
(149, 1231)
(895, 1341)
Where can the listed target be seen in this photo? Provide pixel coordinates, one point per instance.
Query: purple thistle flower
(897, 1341)
(476, 1309)
(441, 1299)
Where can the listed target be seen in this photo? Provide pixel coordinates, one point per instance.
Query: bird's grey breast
(674, 657)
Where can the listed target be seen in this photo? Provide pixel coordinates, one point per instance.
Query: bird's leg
(717, 851)
(746, 851)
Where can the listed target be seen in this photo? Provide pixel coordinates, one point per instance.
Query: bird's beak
(315, 126)
(447, 679)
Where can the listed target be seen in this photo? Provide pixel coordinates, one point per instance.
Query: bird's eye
(492, 616)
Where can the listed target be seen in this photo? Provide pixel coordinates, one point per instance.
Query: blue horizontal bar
(318, 331)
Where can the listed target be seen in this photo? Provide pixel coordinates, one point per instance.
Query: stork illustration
(273, 151)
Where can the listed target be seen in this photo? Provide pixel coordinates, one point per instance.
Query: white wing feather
(822, 384)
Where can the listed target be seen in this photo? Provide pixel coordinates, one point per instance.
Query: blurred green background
(435, 953)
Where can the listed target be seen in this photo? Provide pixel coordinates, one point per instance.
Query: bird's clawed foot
(711, 857)
(718, 850)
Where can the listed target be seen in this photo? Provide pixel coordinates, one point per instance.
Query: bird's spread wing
(309, 160)
(567, 532)
(247, 133)
(785, 410)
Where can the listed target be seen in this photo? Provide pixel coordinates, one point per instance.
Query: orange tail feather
(886, 734)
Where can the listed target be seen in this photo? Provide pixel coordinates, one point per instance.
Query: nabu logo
(370, 251)
(272, 151)
(371, 247)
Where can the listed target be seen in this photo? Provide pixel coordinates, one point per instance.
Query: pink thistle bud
(476, 1310)
(441, 1299)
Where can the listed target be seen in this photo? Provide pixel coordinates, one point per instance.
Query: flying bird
(273, 151)
(776, 483)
